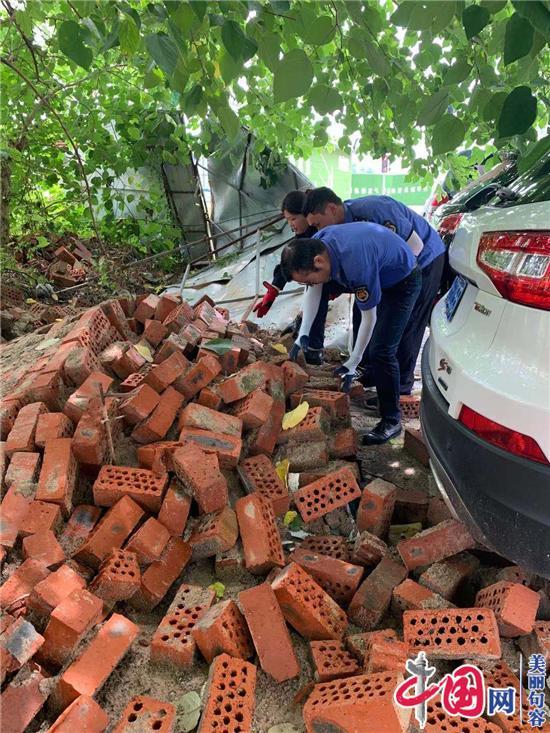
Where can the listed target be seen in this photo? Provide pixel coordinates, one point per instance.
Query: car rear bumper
(503, 499)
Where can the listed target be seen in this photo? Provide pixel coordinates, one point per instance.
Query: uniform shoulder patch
(390, 225)
(362, 294)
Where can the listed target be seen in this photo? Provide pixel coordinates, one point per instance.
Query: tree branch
(28, 44)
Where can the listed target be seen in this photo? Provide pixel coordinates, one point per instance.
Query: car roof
(459, 202)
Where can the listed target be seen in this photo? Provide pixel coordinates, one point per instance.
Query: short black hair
(298, 256)
(293, 202)
(317, 198)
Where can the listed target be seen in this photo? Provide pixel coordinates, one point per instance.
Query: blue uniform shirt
(391, 213)
(365, 258)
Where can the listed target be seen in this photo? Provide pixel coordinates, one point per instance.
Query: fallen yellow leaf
(295, 417)
(280, 348)
(145, 351)
(30, 301)
(282, 470)
(289, 518)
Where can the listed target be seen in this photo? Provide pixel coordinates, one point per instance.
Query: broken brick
(179, 318)
(323, 496)
(411, 596)
(335, 403)
(167, 372)
(19, 643)
(200, 474)
(331, 660)
(514, 605)
(258, 475)
(209, 397)
(78, 402)
(159, 576)
(263, 439)
(214, 533)
(447, 576)
(48, 593)
(43, 546)
(227, 447)
(415, 445)
(167, 303)
(154, 332)
(259, 534)
(118, 577)
(295, 378)
(338, 578)
(140, 484)
(376, 507)
(368, 549)
(435, 543)
(9, 410)
(159, 422)
(306, 456)
(80, 363)
(222, 629)
(22, 699)
(147, 308)
(21, 436)
(83, 715)
(40, 517)
(77, 530)
(139, 405)
(21, 582)
(234, 681)
(194, 415)
(385, 655)
(47, 387)
(373, 597)
(149, 541)
(58, 475)
(313, 428)
(175, 507)
(344, 444)
(23, 470)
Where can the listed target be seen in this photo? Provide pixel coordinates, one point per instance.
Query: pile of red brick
(90, 541)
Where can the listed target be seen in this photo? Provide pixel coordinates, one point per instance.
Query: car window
(505, 170)
(532, 186)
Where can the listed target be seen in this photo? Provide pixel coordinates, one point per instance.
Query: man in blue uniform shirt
(376, 265)
(323, 208)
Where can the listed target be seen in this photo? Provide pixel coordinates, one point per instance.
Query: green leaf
(448, 134)
(321, 31)
(192, 100)
(218, 346)
(69, 36)
(376, 59)
(534, 153)
(519, 111)
(184, 18)
(189, 707)
(199, 8)
(403, 13)
(458, 72)
(433, 107)
(218, 588)
(421, 17)
(163, 50)
(491, 111)
(518, 39)
(180, 77)
(356, 43)
(443, 12)
(229, 68)
(269, 49)
(233, 39)
(128, 36)
(228, 120)
(493, 6)
(293, 76)
(325, 99)
(474, 20)
(536, 12)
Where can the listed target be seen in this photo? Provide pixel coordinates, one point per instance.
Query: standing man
(377, 265)
(323, 208)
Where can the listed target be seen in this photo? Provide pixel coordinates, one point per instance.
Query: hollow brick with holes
(269, 632)
(373, 597)
(307, 477)
(410, 406)
(87, 674)
(214, 533)
(22, 699)
(368, 549)
(258, 475)
(264, 439)
(173, 641)
(23, 470)
(111, 532)
(48, 593)
(376, 507)
(174, 510)
(295, 378)
(199, 473)
(332, 661)
(21, 582)
(447, 576)
(69, 622)
(435, 543)
(118, 578)
(144, 714)
(338, 578)
(139, 484)
(92, 330)
(52, 425)
(538, 641)
(58, 474)
(329, 493)
(411, 596)
(159, 576)
(360, 644)
(47, 387)
(222, 629)
(386, 655)
(230, 696)
(356, 704)
(332, 545)
(159, 422)
(335, 403)
(166, 305)
(22, 435)
(515, 606)
(313, 428)
(18, 643)
(262, 545)
(306, 606)
(139, 405)
(463, 633)
(253, 410)
(194, 415)
(115, 315)
(199, 376)
(83, 715)
(227, 447)
(178, 318)
(135, 380)
(77, 404)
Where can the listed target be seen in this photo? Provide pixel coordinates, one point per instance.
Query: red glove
(267, 301)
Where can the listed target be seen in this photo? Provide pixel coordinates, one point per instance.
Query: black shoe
(381, 433)
(371, 405)
(314, 357)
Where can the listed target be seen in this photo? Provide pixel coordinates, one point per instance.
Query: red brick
(227, 447)
(179, 317)
(411, 596)
(154, 332)
(410, 407)
(386, 655)
(338, 578)
(360, 644)
(19, 643)
(306, 606)
(167, 372)
(247, 380)
(160, 575)
(258, 475)
(166, 305)
(77, 530)
(175, 507)
(119, 577)
(435, 543)
(446, 577)
(194, 415)
(222, 629)
(93, 330)
(21, 436)
(269, 632)
(514, 605)
(22, 700)
(357, 704)
(21, 582)
(198, 377)
(23, 470)
(148, 455)
(83, 715)
(146, 309)
(135, 380)
(111, 532)
(538, 641)
(122, 359)
(415, 445)
(214, 533)
(52, 425)
(69, 622)
(44, 547)
(160, 421)
(41, 517)
(368, 549)
(8, 412)
(77, 404)
(410, 506)
(262, 545)
(149, 541)
(200, 474)
(314, 428)
(169, 346)
(376, 507)
(234, 681)
(329, 493)
(80, 363)
(143, 714)
(332, 661)
(87, 675)
(117, 318)
(209, 397)
(254, 409)
(332, 545)
(173, 641)
(344, 444)
(139, 405)
(231, 360)
(47, 387)
(335, 403)
(140, 484)
(515, 574)
(48, 593)
(499, 674)
(263, 440)
(373, 597)
(13, 510)
(453, 633)
(90, 444)
(295, 378)
(208, 314)
(58, 475)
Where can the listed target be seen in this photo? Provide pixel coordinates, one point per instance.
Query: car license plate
(454, 296)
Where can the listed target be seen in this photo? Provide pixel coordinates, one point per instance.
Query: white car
(486, 376)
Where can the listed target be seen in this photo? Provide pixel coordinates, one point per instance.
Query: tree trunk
(5, 191)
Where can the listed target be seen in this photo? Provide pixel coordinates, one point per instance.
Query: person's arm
(415, 243)
(364, 334)
(310, 306)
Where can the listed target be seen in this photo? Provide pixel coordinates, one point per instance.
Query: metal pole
(258, 257)
(184, 279)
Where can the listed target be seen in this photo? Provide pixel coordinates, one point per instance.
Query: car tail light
(438, 201)
(518, 264)
(505, 438)
(449, 224)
